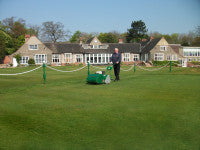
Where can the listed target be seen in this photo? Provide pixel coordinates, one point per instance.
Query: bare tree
(14, 27)
(33, 30)
(54, 31)
(197, 31)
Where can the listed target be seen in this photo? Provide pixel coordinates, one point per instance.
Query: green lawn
(143, 111)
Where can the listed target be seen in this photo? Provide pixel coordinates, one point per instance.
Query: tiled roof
(149, 45)
(64, 47)
(89, 41)
(143, 47)
(175, 47)
(77, 48)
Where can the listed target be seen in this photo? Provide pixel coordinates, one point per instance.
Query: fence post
(170, 67)
(44, 73)
(88, 68)
(134, 66)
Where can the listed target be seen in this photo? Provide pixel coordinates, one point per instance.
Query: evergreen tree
(137, 32)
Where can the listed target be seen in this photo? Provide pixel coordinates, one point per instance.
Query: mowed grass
(143, 111)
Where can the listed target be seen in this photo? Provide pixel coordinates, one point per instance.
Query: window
(33, 47)
(163, 48)
(174, 57)
(108, 56)
(95, 58)
(185, 53)
(103, 58)
(24, 59)
(158, 56)
(168, 57)
(126, 57)
(56, 58)
(135, 57)
(99, 58)
(79, 58)
(85, 46)
(95, 46)
(87, 58)
(40, 58)
(68, 57)
(190, 51)
(91, 58)
(103, 47)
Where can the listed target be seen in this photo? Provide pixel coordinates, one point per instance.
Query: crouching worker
(116, 60)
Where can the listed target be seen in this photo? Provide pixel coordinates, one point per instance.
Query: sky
(164, 16)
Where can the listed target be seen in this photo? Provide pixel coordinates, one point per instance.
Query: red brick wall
(7, 60)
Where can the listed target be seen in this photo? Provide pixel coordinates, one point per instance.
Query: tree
(8, 43)
(33, 30)
(184, 41)
(196, 42)
(108, 37)
(18, 58)
(13, 31)
(75, 37)
(54, 31)
(18, 29)
(20, 41)
(168, 38)
(197, 31)
(123, 36)
(85, 36)
(174, 38)
(155, 34)
(14, 27)
(2, 49)
(137, 32)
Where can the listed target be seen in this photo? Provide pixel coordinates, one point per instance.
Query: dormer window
(95, 46)
(103, 47)
(163, 48)
(85, 46)
(33, 47)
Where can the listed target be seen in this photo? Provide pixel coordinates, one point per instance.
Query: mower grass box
(99, 77)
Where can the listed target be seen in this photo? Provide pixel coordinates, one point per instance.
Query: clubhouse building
(99, 53)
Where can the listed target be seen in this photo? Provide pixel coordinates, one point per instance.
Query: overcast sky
(164, 16)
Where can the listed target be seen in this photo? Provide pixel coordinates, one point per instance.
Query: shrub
(18, 58)
(31, 61)
(196, 62)
(163, 63)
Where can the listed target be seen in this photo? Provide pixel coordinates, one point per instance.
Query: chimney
(120, 40)
(151, 37)
(27, 37)
(81, 42)
(144, 40)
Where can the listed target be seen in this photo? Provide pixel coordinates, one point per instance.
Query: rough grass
(144, 110)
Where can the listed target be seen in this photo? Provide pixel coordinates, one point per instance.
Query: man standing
(116, 60)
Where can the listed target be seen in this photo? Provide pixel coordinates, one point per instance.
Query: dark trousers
(116, 70)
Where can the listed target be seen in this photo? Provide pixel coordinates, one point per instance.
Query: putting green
(144, 110)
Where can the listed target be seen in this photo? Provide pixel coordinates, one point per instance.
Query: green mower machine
(100, 77)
